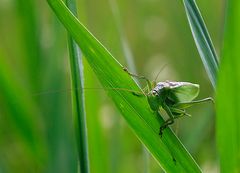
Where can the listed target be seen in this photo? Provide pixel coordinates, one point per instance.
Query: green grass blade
(135, 110)
(98, 148)
(202, 39)
(23, 111)
(124, 41)
(56, 107)
(30, 40)
(228, 105)
(78, 107)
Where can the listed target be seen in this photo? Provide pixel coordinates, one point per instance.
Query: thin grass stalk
(124, 41)
(202, 40)
(54, 105)
(78, 107)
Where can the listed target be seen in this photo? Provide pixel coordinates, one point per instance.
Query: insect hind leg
(165, 125)
(167, 122)
(173, 113)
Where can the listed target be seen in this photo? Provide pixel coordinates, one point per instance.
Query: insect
(172, 97)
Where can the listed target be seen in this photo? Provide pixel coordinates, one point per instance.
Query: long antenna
(69, 90)
(161, 69)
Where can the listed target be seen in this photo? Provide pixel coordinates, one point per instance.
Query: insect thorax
(169, 85)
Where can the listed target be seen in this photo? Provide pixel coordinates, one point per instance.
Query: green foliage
(78, 104)
(228, 118)
(136, 111)
(23, 111)
(35, 105)
(202, 39)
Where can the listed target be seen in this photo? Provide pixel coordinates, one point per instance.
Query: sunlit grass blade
(228, 96)
(135, 110)
(78, 105)
(202, 39)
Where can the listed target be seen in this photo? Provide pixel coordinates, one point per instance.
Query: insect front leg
(145, 90)
(149, 84)
(138, 94)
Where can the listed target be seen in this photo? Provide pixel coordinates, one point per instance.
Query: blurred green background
(36, 126)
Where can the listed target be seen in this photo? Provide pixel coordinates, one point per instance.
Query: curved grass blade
(228, 96)
(78, 107)
(135, 110)
(202, 40)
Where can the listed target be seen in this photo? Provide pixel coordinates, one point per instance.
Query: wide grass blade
(135, 110)
(228, 96)
(202, 39)
(78, 107)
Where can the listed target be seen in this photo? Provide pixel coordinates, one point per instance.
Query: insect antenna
(161, 69)
(138, 93)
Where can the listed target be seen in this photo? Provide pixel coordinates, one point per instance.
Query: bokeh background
(36, 125)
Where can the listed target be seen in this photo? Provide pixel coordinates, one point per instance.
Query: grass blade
(30, 40)
(22, 110)
(228, 105)
(78, 107)
(98, 148)
(124, 41)
(135, 110)
(202, 40)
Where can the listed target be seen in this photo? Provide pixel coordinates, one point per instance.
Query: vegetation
(55, 115)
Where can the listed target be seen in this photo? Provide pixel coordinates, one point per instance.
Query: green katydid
(173, 97)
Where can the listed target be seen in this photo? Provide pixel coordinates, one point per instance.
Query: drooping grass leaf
(135, 110)
(228, 96)
(202, 40)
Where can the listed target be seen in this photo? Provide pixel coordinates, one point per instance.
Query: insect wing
(184, 92)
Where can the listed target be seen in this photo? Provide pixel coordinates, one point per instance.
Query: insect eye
(154, 93)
